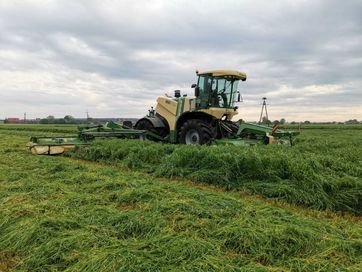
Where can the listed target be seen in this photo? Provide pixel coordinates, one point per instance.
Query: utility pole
(24, 116)
(87, 114)
(262, 110)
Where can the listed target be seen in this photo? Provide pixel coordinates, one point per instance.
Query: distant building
(12, 120)
(2, 121)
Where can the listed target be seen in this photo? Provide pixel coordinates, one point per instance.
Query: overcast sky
(114, 58)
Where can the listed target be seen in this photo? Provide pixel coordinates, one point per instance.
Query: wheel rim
(192, 137)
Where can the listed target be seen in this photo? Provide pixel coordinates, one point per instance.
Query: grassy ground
(322, 171)
(39, 128)
(63, 214)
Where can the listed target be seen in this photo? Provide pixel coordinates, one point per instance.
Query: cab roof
(234, 73)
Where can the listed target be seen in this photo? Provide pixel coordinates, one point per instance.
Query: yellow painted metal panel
(237, 74)
(218, 113)
(167, 108)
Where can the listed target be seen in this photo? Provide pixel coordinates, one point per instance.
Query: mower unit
(60, 144)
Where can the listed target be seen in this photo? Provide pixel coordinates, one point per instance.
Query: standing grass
(61, 214)
(322, 171)
(61, 128)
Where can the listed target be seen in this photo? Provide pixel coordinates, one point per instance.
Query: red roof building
(12, 120)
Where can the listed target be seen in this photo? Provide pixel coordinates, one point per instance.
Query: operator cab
(218, 89)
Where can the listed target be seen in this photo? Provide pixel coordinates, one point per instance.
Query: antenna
(262, 110)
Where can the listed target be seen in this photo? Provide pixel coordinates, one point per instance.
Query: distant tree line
(282, 121)
(349, 122)
(68, 119)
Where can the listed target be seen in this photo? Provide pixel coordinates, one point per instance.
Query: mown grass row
(59, 214)
(40, 128)
(319, 172)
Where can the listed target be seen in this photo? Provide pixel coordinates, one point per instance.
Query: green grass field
(131, 206)
(322, 171)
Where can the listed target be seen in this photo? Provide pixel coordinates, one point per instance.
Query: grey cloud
(137, 50)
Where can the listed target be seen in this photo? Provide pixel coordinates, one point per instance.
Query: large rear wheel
(196, 131)
(145, 124)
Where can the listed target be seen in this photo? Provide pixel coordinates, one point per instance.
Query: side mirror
(239, 97)
(193, 85)
(197, 91)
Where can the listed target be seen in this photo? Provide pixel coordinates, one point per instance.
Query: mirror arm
(239, 97)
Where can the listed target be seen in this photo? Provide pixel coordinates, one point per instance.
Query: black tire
(196, 131)
(144, 124)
